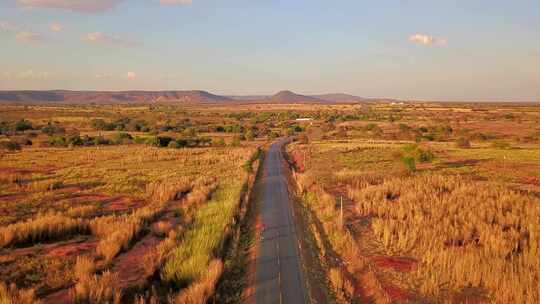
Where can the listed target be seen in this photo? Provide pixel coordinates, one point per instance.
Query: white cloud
(28, 37)
(131, 75)
(104, 76)
(31, 74)
(175, 2)
(56, 27)
(21, 34)
(427, 40)
(86, 6)
(100, 38)
(8, 27)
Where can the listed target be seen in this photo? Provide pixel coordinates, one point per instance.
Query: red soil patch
(71, 249)
(397, 294)
(61, 296)
(129, 265)
(531, 180)
(12, 197)
(123, 203)
(4, 212)
(88, 198)
(395, 263)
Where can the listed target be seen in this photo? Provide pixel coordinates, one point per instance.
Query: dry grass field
(455, 225)
(441, 204)
(116, 221)
(70, 213)
(142, 204)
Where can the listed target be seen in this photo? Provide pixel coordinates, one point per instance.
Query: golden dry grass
(473, 240)
(470, 234)
(97, 289)
(43, 227)
(159, 180)
(12, 295)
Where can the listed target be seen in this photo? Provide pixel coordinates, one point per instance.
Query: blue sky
(446, 50)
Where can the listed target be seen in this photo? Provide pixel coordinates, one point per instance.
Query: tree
(249, 135)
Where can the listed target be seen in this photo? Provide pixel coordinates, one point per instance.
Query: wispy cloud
(427, 40)
(56, 27)
(28, 37)
(21, 35)
(31, 74)
(101, 38)
(131, 75)
(7, 27)
(85, 6)
(175, 2)
(103, 76)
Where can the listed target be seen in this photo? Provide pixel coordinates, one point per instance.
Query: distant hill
(290, 97)
(340, 98)
(186, 96)
(84, 97)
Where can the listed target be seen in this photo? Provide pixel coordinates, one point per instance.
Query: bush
(249, 135)
(220, 142)
(159, 141)
(123, 138)
(23, 141)
(23, 125)
(9, 145)
(463, 143)
(273, 135)
(101, 125)
(409, 163)
(236, 141)
(500, 144)
(52, 128)
(417, 153)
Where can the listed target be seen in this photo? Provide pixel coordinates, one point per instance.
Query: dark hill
(83, 97)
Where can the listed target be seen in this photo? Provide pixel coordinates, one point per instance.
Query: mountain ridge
(166, 96)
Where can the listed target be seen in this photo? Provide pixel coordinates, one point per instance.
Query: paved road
(278, 278)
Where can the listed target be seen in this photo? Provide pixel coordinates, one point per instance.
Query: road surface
(278, 278)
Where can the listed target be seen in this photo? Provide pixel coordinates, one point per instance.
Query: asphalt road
(278, 278)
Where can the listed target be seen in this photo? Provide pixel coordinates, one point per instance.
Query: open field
(143, 203)
(117, 221)
(442, 208)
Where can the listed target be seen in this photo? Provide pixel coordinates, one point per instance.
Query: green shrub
(273, 135)
(236, 141)
(249, 135)
(220, 142)
(409, 163)
(23, 125)
(52, 128)
(9, 145)
(417, 153)
(123, 137)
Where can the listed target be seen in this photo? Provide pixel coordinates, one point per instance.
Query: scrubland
(117, 221)
(452, 217)
(142, 204)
